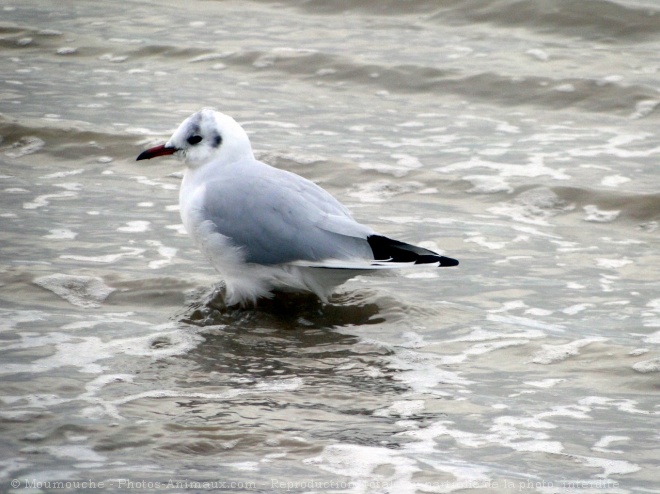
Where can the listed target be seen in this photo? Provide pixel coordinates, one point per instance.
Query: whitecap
(244, 466)
(596, 215)
(66, 50)
(536, 311)
(402, 408)
(535, 168)
(82, 291)
(647, 366)
(538, 54)
(422, 275)
(576, 309)
(551, 354)
(168, 253)
(483, 242)
(207, 57)
(72, 186)
(380, 191)
(605, 441)
(61, 234)
(280, 384)
(480, 334)
(609, 466)
(488, 184)
(65, 173)
(11, 318)
(614, 180)
(579, 412)
(366, 465)
(644, 108)
(421, 372)
(147, 181)
(75, 451)
(44, 200)
(137, 226)
(272, 123)
(613, 263)
(407, 161)
(623, 405)
(106, 259)
(396, 171)
(85, 353)
(533, 206)
(565, 88)
(411, 124)
(653, 338)
(110, 57)
(179, 228)
(325, 72)
(544, 383)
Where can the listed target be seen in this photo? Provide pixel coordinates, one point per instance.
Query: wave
(525, 87)
(635, 207)
(587, 94)
(584, 19)
(67, 139)
(536, 204)
(587, 18)
(595, 95)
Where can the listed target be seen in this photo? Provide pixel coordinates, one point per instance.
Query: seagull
(266, 229)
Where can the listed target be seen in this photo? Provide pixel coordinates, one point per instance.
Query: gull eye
(192, 140)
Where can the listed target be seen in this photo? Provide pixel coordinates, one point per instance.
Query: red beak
(155, 152)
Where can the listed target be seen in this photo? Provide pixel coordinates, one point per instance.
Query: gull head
(203, 137)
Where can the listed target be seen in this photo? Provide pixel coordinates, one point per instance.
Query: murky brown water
(518, 137)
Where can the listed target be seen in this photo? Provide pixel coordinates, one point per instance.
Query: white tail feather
(360, 265)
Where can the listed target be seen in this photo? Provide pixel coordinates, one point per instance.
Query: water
(518, 137)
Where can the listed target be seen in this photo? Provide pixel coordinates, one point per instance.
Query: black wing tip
(387, 249)
(448, 262)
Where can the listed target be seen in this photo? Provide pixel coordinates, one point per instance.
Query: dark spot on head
(194, 128)
(216, 140)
